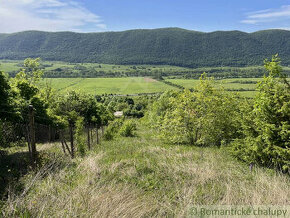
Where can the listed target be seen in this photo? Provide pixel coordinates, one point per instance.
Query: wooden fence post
(32, 134)
(71, 139)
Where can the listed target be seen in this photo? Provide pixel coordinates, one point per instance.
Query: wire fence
(30, 132)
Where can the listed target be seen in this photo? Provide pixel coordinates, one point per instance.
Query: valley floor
(142, 177)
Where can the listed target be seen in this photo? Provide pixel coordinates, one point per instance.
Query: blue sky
(117, 15)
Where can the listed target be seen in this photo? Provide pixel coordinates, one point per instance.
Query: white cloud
(249, 21)
(269, 15)
(47, 15)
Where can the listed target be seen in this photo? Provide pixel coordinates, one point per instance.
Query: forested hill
(159, 46)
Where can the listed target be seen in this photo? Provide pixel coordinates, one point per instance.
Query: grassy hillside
(141, 177)
(159, 46)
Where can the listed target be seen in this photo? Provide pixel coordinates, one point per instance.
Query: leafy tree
(266, 136)
(28, 91)
(206, 116)
(7, 112)
(6, 100)
(75, 104)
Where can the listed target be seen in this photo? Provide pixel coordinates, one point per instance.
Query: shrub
(128, 128)
(112, 129)
(108, 134)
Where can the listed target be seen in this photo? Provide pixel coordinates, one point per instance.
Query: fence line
(31, 132)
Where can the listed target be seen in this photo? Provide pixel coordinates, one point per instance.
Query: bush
(128, 128)
(112, 129)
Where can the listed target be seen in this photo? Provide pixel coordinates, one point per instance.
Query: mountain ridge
(173, 46)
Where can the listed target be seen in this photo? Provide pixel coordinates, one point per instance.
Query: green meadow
(126, 85)
(135, 85)
(15, 65)
(9, 66)
(245, 86)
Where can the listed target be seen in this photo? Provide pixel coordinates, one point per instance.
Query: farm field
(58, 69)
(15, 65)
(227, 83)
(120, 79)
(9, 66)
(126, 85)
(236, 84)
(135, 85)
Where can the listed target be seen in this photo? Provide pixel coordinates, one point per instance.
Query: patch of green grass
(128, 85)
(230, 84)
(9, 66)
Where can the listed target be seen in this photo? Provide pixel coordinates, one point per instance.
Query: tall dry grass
(140, 177)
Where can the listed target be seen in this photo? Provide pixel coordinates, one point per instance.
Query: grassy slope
(128, 85)
(141, 176)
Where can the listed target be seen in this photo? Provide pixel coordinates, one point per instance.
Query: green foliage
(206, 116)
(75, 104)
(87, 71)
(172, 46)
(31, 71)
(133, 107)
(79, 136)
(112, 129)
(125, 128)
(128, 128)
(6, 99)
(28, 91)
(266, 128)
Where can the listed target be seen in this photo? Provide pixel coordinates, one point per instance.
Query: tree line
(80, 71)
(26, 96)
